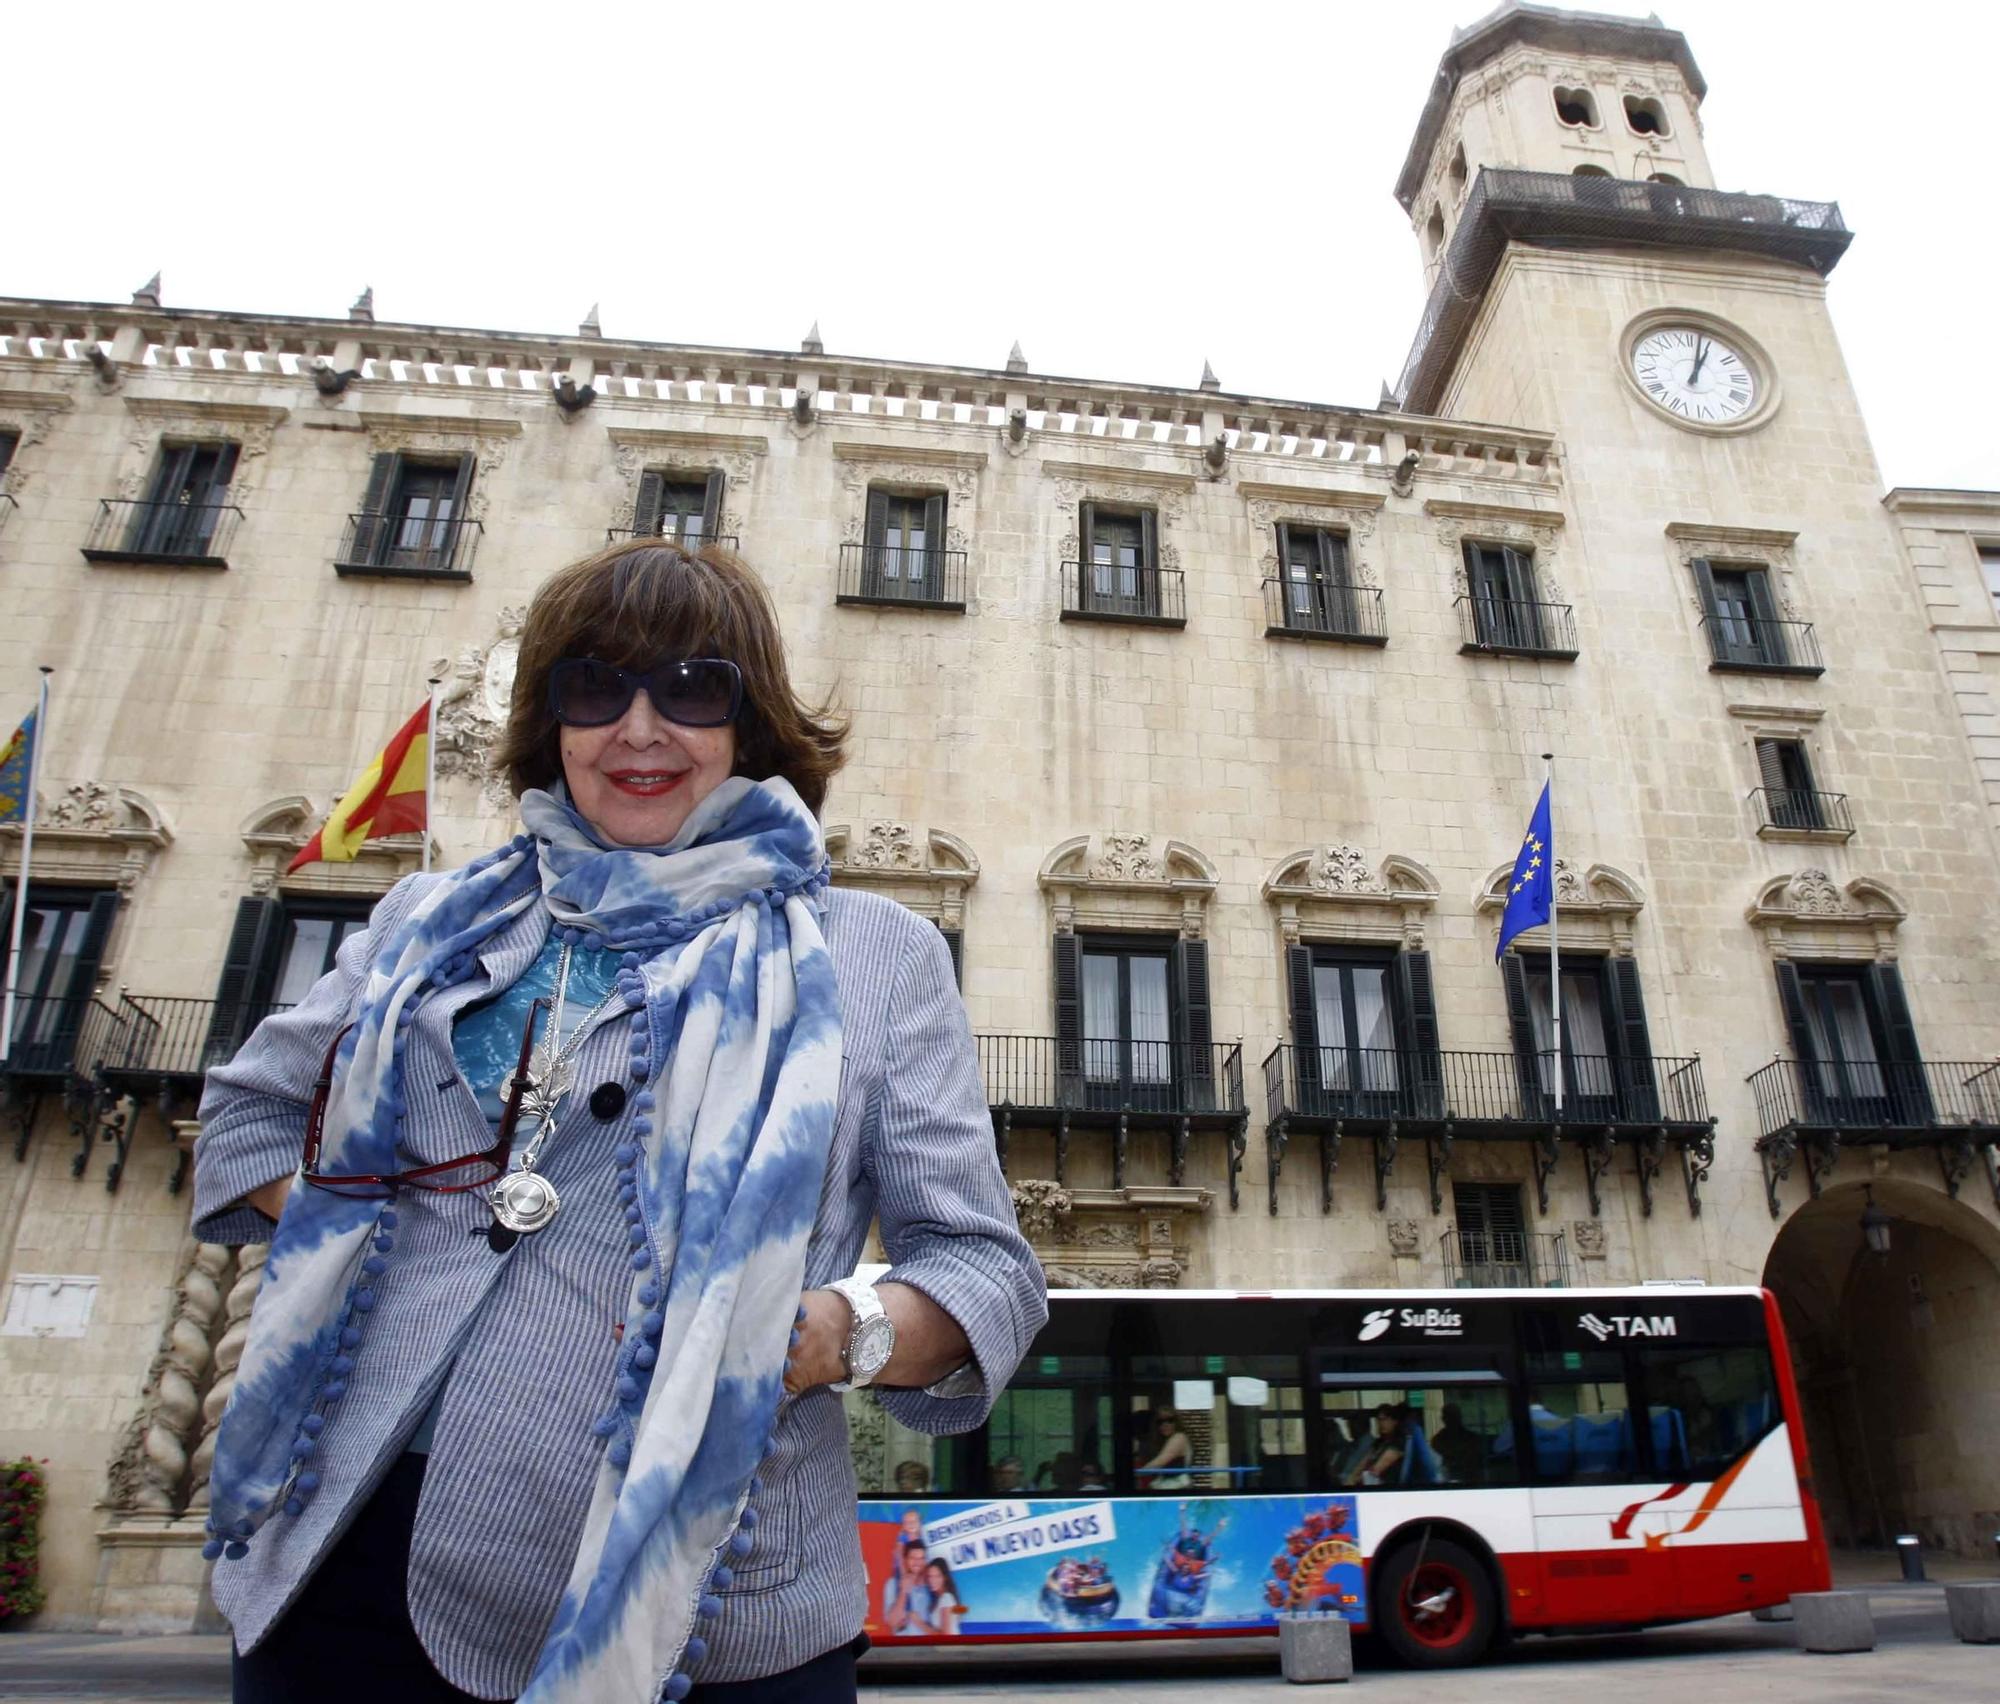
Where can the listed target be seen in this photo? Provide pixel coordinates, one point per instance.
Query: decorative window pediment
(1535, 530)
(27, 415)
(1114, 487)
(96, 834)
(639, 448)
(1762, 546)
(187, 420)
(1808, 915)
(911, 467)
(485, 438)
(274, 832)
(1349, 512)
(1333, 893)
(1595, 907)
(1110, 1239)
(1128, 881)
(926, 870)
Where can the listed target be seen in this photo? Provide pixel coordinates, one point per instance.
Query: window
(1644, 116)
(1491, 1230)
(1707, 1407)
(413, 515)
(1319, 597)
(277, 949)
(184, 502)
(1742, 615)
(1590, 172)
(688, 511)
(1856, 1043)
(62, 944)
(890, 1460)
(1989, 565)
(1501, 583)
(1449, 1427)
(1120, 564)
(1666, 178)
(904, 554)
(1580, 1417)
(9, 442)
(1365, 1026)
(1133, 1027)
(1607, 1065)
(1790, 799)
(1576, 108)
(1456, 171)
(1217, 1423)
(1434, 232)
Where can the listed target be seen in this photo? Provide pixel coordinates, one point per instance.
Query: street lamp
(1875, 1226)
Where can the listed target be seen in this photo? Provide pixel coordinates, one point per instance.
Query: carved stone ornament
(27, 415)
(1355, 520)
(188, 421)
(1599, 906)
(691, 455)
(1757, 547)
(1110, 1239)
(956, 474)
(1038, 1204)
(927, 870)
(1334, 892)
(1128, 880)
(96, 833)
(1808, 914)
(473, 704)
(275, 831)
(488, 440)
(1535, 530)
(1587, 1238)
(1167, 498)
(1404, 1239)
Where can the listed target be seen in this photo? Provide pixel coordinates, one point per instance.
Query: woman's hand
(929, 1342)
(820, 1356)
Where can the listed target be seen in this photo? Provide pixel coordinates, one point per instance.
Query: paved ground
(1719, 1661)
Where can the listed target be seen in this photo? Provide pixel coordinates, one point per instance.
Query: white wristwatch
(873, 1339)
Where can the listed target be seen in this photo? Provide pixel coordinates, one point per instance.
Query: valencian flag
(1531, 888)
(17, 768)
(390, 798)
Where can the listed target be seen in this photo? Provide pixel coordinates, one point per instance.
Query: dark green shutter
(1904, 1069)
(1638, 1089)
(1305, 1022)
(83, 979)
(1149, 542)
(1068, 957)
(1792, 998)
(457, 545)
(711, 504)
(1521, 592)
(245, 977)
(9, 442)
(646, 506)
(1339, 593)
(1285, 565)
(375, 530)
(1086, 551)
(933, 563)
(1770, 637)
(954, 940)
(153, 520)
(1197, 1024)
(1711, 609)
(1521, 1023)
(1422, 1075)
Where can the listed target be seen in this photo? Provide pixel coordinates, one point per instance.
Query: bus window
(1417, 1437)
(892, 1461)
(1217, 1423)
(1581, 1418)
(1051, 1429)
(1707, 1407)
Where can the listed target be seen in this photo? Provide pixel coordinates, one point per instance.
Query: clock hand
(1700, 355)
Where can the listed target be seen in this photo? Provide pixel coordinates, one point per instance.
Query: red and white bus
(1442, 1466)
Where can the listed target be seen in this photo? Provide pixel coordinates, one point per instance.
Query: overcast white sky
(1125, 188)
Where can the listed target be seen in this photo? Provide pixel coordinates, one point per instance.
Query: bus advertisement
(1441, 1467)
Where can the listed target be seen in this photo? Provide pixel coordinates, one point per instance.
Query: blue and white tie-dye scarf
(736, 1052)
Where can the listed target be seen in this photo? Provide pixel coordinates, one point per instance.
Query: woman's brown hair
(648, 599)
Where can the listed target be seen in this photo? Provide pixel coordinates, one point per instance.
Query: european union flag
(17, 764)
(1532, 887)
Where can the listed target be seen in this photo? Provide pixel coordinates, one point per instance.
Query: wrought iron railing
(1098, 591)
(1557, 209)
(721, 541)
(55, 1036)
(395, 544)
(7, 507)
(1511, 626)
(895, 574)
(1045, 1073)
(1895, 1095)
(1324, 609)
(1762, 647)
(1478, 1257)
(169, 1036)
(189, 535)
(1802, 809)
(1361, 1084)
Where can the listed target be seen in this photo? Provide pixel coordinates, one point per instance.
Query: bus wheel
(1434, 1605)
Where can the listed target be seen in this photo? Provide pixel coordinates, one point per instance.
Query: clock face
(1694, 374)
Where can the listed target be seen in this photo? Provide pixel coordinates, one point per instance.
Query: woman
(1385, 1450)
(1165, 1469)
(535, 1403)
(946, 1610)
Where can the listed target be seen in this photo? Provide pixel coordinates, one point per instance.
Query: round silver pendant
(524, 1201)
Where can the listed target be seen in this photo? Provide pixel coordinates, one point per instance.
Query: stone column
(228, 1353)
(150, 1473)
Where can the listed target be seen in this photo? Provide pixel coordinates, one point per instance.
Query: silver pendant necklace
(523, 1201)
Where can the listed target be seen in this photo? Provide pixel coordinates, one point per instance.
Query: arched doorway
(1897, 1368)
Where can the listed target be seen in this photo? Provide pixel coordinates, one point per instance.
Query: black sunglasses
(696, 692)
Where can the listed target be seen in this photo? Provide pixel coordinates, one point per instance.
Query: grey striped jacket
(522, 1344)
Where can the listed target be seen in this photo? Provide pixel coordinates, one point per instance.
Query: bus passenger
(1460, 1449)
(1171, 1450)
(1385, 1452)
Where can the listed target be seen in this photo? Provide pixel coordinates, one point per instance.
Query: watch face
(1694, 374)
(869, 1352)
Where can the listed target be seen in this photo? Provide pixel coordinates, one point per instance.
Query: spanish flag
(388, 799)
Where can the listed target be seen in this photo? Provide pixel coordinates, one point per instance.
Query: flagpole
(27, 858)
(1555, 905)
(430, 765)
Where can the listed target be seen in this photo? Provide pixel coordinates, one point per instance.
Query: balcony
(1145, 597)
(894, 577)
(401, 547)
(719, 541)
(171, 535)
(1949, 1106)
(1321, 609)
(1744, 645)
(1384, 1094)
(1176, 1086)
(1785, 813)
(1556, 210)
(1506, 627)
(55, 1038)
(1479, 1259)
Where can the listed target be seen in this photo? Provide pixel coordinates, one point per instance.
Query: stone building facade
(1205, 725)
